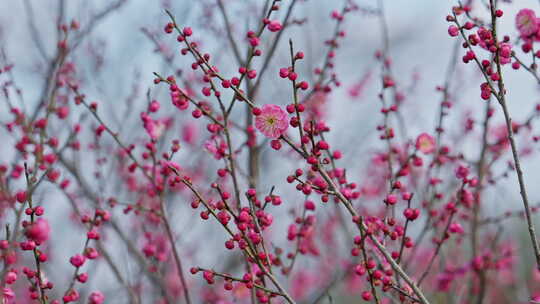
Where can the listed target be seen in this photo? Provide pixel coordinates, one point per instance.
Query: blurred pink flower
(358, 88)
(96, 297)
(526, 22)
(425, 143)
(7, 293)
(216, 146)
(274, 26)
(189, 133)
(39, 231)
(154, 128)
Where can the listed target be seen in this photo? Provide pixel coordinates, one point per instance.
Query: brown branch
(501, 97)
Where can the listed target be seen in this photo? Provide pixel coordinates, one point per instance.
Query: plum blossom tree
(226, 168)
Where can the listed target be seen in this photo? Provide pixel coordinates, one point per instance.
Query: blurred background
(121, 43)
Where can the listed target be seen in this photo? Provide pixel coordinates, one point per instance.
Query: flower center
(271, 120)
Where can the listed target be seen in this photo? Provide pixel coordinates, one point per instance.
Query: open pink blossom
(526, 22)
(425, 143)
(272, 121)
